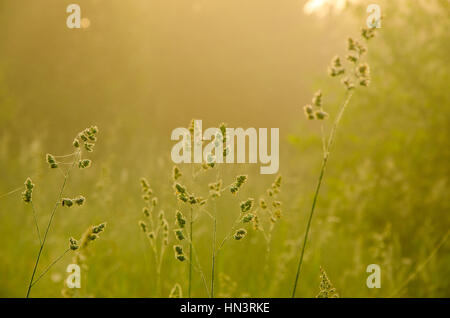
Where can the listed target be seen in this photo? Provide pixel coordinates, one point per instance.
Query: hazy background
(143, 68)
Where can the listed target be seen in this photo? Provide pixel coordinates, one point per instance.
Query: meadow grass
(383, 198)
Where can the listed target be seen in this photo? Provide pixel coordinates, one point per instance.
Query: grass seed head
(73, 244)
(67, 202)
(179, 234)
(326, 287)
(79, 200)
(321, 115)
(180, 220)
(27, 194)
(176, 173)
(309, 112)
(143, 226)
(247, 217)
(317, 99)
(84, 163)
(239, 234)
(246, 205)
(51, 161)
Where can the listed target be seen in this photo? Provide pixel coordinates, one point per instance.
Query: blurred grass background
(143, 68)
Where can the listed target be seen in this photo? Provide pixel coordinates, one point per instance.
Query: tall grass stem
(319, 183)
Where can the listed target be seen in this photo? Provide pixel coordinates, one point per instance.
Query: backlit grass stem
(327, 148)
(58, 202)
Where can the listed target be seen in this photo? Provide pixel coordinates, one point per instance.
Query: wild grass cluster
(363, 159)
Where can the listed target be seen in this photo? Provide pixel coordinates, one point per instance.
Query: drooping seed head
(176, 173)
(246, 205)
(239, 234)
(309, 112)
(27, 195)
(181, 221)
(79, 200)
(67, 202)
(84, 163)
(143, 226)
(320, 114)
(248, 217)
(73, 244)
(51, 161)
(179, 234)
(317, 99)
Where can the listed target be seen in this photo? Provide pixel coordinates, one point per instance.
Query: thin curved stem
(11, 192)
(190, 253)
(319, 183)
(36, 222)
(66, 176)
(50, 266)
(214, 250)
(422, 266)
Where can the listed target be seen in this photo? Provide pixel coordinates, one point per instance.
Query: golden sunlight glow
(323, 7)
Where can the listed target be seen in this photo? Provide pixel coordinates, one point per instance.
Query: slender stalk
(190, 254)
(66, 176)
(422, 266)
(319, 183)
(213, 251)
(50, 266)
(11, 192)
(36, 222)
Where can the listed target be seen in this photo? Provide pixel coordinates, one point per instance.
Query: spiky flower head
(79, 200)
(89, 146)
(317, 99)
(240, 180)
(84, 163)
(326, 287)
(176, 173)
(180, 220)
(352, 57)
(27, 194)
(179, 255)
(73, 244)
(262, 204)
(347, 83)
(247, 217)
(246, 205)
(99, 228)
(179, 234)
(144, 184)
(320, 114)
(309, 112)
(335, 69)
(368, 33)
(241, 233)
(179, 188)
(51, 161)
(143, 226)
(215, 189)
(363, 70)
(67, 202)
